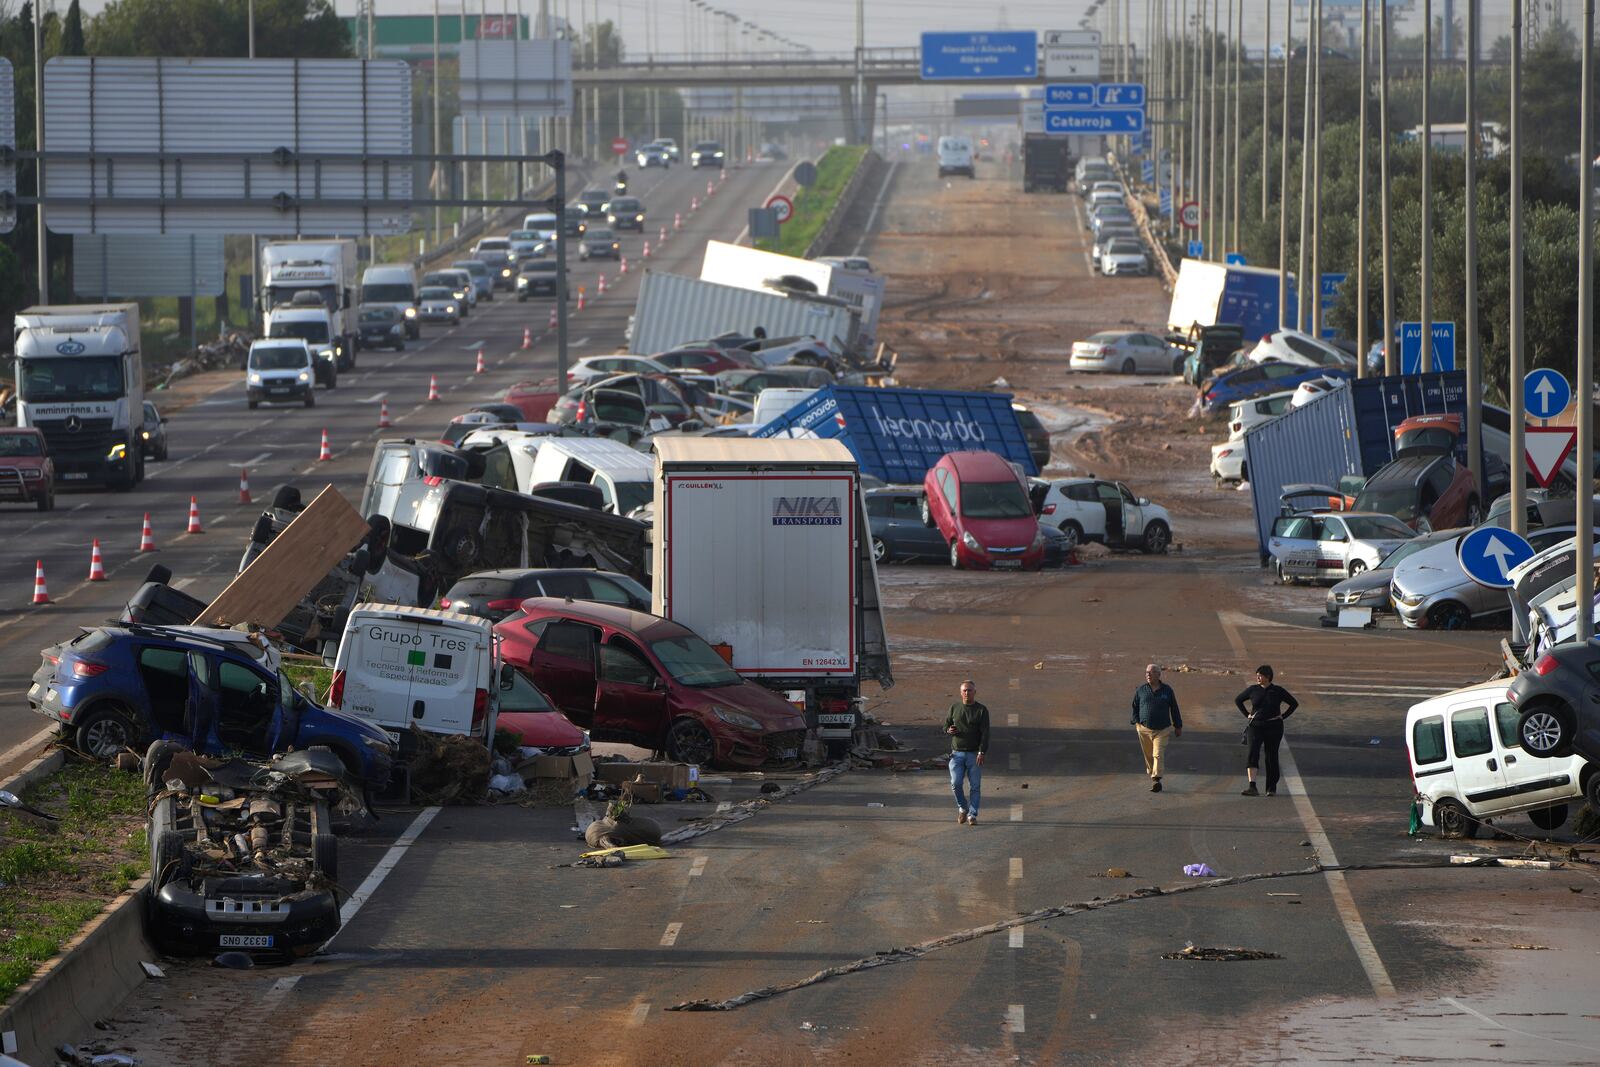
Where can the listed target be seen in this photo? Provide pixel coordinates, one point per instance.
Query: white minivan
(394, 285)
(1468, 766)
(956, 156)
(625, 476)
(401, 667)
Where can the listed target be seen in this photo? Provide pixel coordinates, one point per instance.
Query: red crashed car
(533, 398)
(979, 504)
(647, 681)
(702, 360)
(26, 472)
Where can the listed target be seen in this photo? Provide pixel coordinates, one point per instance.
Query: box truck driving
(307, 291)
(761, 548)
(80, 382)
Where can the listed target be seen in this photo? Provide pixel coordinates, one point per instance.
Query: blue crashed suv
(122, 686)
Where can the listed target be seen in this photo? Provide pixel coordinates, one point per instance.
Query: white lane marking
(1016, 761)
(725, 805)
(184, 583)
(637, 1016)
(1016, 868)
(253, 461)
(872, 217)
(698, 867)
(373, 399)
(1016, 683)
(471, 345)
(388, 863)
(670, 937)
(579, 343)
(1475, 1013)
(1016, 813)
(280, 989)
(29, 748)
(1015, 1022)
(1016, 937)
(1012, 719)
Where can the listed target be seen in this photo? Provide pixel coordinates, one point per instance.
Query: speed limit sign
(782, 207)
(1190, 215)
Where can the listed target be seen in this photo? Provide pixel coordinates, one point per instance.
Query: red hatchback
(978, 502)
(643, 680)
(26, 472)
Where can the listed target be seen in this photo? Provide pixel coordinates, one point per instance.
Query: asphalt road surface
(483, 946)
(217, 436)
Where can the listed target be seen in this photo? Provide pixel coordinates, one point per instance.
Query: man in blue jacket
(1156, 719)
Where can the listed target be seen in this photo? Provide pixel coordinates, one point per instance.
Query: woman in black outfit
(1264, 706)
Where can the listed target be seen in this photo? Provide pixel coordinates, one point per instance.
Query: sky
(665, 26)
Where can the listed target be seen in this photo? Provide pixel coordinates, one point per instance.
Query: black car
(381, 327)
(1558, 707)
(1057, 547)
(626, 213)
(493, 595)
(574, 221)
(592, 202)
(537, 277)
(898, 532)
(707, 154)
(153, 435)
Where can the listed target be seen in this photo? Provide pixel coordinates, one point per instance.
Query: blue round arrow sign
(1545, 393)
(1488, 555)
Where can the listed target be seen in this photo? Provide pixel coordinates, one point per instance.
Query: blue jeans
(963, 768)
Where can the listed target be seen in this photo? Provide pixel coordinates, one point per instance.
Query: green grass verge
(813, 206)
(311, 680)
(52, 883)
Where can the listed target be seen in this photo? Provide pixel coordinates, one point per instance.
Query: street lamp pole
(1516, 361)
(1391, 354)
(1425, 311)
(1283, 173)
(1585, 388)
(1361, 199)
(1474, 351)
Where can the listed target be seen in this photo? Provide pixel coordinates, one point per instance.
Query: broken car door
(630, 700)
(563, 666)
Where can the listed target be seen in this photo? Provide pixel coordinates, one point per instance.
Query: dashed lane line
(1016, 936)
(390, 860)
(1015, 762)
(1016, 1022)
(640, 1012)
(670, 937)
(698, 867)
(1013, 719)
(1016, 813)
(1016, 868)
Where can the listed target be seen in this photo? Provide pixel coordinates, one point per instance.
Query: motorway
(482, 946)
(217, 436)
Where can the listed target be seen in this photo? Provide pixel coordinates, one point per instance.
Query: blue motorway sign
(1545, 393)
(1147, 171)
(1119, 94)
(1235, 259)
(1068, 95)
(1444, 348)
(999, 54)
(1489, 553)
(1197, 249)
(1089, 120)
(1166, 201)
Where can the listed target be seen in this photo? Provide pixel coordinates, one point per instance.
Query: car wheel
(46, 501)
(1073, 533)
(168, 860)
(1545, 730)
(1474, 512)
(688, 741)
(880, 550)
(955, 555)
(1127, 366)
(1177, 366)
(157, 758)
(1449, 616)
(927, 515)
(311, 400)
(1356, 567)
(1550, 818)
(1156, 539)
(105, 731)
(1453, 820)
(254, 404)
(1283, 579)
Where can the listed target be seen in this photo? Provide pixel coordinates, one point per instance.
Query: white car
(1306, 392)
(1247, 414)
(1093, 509)
(1228, 462)
(591, 367)
(670, 146)
(1103, 195)
(439, 304)
(1301, 349)
(1124, 255)
(1125, 352)
(1333, 546)
(1106, 235)
(1468, 764)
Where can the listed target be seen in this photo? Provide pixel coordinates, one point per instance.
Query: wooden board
(296, 560)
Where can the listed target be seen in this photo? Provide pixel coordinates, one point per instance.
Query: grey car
(1558, 707)
(599, 243)
(1370, 589)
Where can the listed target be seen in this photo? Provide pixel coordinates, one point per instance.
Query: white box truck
(80, 382)
(326, 269)
(763, 548)
(673, 310)
(751, 268)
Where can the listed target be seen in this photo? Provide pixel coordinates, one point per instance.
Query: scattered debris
(537, 1058)
(1495, 861)
(1532, 948)
(770, 787)
(234, 961)
(1198, 870)
(448, 769)
(151, 970)
(1113, 872)
(1219, 955)
(874, 804)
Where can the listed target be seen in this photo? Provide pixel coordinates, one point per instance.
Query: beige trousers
(1153, 743)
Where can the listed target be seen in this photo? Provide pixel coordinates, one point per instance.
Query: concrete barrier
(867, 164)
(91, 975)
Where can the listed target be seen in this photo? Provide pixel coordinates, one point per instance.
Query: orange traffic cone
(147, 539)
(661, 238)
(580, 298)
(194, 517)
(383, 416)
(554, 321)
(480, 368)
(244, 486)
(645, 254)
(97, 565)
(41, 595)
(600, 286)
(527, 334)
(622, 264)
(327, 450)
(694, 204)
(433, 387)
(677, 220)
(710, 187)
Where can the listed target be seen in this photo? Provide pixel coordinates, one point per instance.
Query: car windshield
(1368, 527)
(493, 244)
(626, 203)
(311, 330)
(526, 235)
(383, 316)
(601, 235)
(1126, 245)
(1401, 503)
(72, 378)
(19, 444)
(692, 662)
(1393, 559)
(994, 500)
(277, 357)
(474, 267)
(522, 695)
(632, 495)
(432, 293)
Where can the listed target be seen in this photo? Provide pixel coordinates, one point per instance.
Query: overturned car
(243, 855)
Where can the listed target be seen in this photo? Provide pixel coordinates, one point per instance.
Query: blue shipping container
(897, 434)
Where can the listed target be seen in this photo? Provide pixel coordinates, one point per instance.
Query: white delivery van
(544, 223)
(774, 401)
(625, 476)
(394, 285)
(403, 666)
(956, 156)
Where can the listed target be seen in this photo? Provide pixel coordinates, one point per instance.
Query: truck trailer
(293, 271)
(762, 547)
(80, 382)
(1208, 294)
(1046, 163)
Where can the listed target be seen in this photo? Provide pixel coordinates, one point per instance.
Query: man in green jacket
(968, 726)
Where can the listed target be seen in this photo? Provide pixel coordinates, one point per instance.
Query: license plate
(1007, 564)
(73, 476)
(394, 735)
(245, 941)
(846, 720)
(788, 753)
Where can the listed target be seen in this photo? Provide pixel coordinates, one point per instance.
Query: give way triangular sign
(1546, 448)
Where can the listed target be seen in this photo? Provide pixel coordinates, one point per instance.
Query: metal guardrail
(1141, 218)
(471, 231)
(841, 205)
